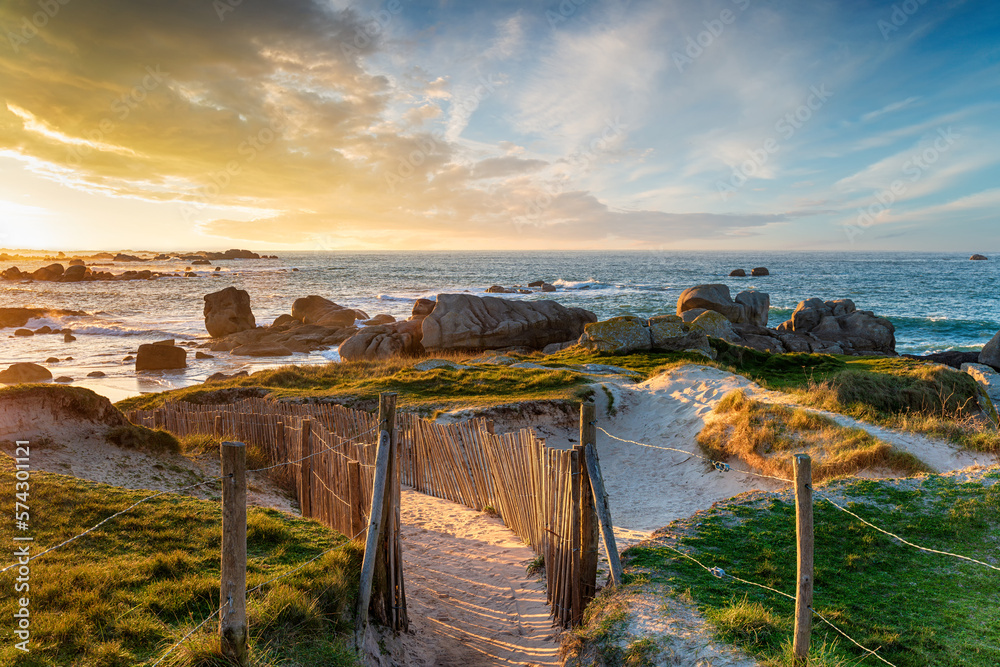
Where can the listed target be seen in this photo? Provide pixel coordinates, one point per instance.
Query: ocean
(937, 301)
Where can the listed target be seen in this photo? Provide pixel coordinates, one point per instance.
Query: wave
(591, 283)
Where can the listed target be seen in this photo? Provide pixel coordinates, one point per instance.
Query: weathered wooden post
(375, 524)
(233, 617)
(804, 578)
(589, 538)
(305, 478)
(603, 513)
(357, 508)
(218, 426)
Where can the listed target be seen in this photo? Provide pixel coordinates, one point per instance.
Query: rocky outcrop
(469, 322)
(18, 317)
(78, 273)
(990, 356)
(122, 257)
(160, 356)
(627, 334)
(24, 372)
(760, 271)
(227, 312)
(51, 272)
(422, 308)
(737, 273)
(398, 339)
(713, 325)
(285, 336)
(749, 307)
(979, 258)
(317, 310)
(839, 324)
(952, 358)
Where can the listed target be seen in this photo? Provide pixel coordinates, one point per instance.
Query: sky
(581, 124)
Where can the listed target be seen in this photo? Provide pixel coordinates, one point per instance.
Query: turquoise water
(937, 301)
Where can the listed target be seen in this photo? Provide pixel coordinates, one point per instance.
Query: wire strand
(322, 451)
(845, 635)
(116, 514)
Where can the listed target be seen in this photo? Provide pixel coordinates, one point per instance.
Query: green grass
(918, 609)
(122, 595)
(359, 383)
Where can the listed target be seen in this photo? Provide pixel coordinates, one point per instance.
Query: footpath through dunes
(469, 598)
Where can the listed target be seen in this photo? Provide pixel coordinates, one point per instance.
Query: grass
(765, 435)
(122, 595)
(918, 609)
(358, 383)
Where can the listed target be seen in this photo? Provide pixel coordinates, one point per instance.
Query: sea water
(937, 301)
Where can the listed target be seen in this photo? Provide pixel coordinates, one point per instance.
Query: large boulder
(749, 307)
(618, 335)
(838, 327)
(158, 357)
(469, 322)
(990, 356)
(979, 258)
(50, 272)
(422, 308)
(713, 325)
(383, 341)
(23, 372)
(317, 310)
(75, 273)
(227, 312)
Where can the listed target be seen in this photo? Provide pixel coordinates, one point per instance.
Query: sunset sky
(405, 124)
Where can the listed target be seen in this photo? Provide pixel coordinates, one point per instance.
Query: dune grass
(358, 383)
(765, 436)
(918, 609)
(122, 595)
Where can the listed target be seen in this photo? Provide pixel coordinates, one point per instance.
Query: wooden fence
(542, 494)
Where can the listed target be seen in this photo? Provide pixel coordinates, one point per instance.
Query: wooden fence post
(603, 513)
(357, 508)
(804, 578)
(233, 617)
(375, 522)
(305, 478)
(588, 513)
(218, 426)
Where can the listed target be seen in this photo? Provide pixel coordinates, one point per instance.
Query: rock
(548, 288)
(202, 355)
(95, 374)
(122, 257)
(154, 357)
(618, 335)
(63, 379)
(18, 317)
(713, 325)
(434, 364)
(24, 372)
(283, 320)
(952, 358)
(317, 310)
(13, 273)
(50, 272)
(979, 258)
(990, 356)
(422, 308)
(987, 377)
(379, 319)
(75, 273)
(201, 262)
(468, 322)
(716, 297)
(41, 331)
(837, 327)
(129, 358)
(68, 338)
(24, 332)
(218, 268)
(693, 314)
(190, 274)
(760, 271)
(77, 262)
(384, 341)
(228, 311)
(52, 360)
(536, 283)
(552, 348)
(262, 349)
(498, 289)
(757, 305)
(737, 273)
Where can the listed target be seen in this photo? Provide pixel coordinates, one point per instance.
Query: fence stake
(603, 513)
(305, 478)
(375, 524)
(218, 426)
(804, 579)
(588, 513)
(357, 509)
(233, 617)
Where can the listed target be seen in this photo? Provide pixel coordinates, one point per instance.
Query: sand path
(468, 597)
